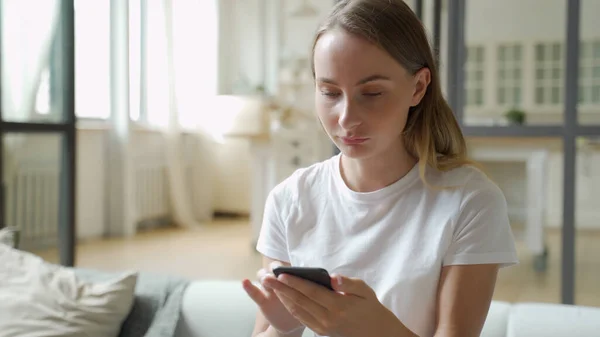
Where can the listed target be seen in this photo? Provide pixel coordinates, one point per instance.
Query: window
(196, 43)
(474, 73)
(509, 75)
(548, 74)
(135, 58)
(92, 58)
(194, 26)
(31, 60)
(589, 73)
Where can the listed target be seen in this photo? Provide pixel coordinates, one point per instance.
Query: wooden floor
(223, 250)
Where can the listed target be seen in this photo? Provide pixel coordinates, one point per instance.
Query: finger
(263, 275)
(349, 285)
(274, 265)
(302, 314)
(307, 303)
(316, 292)
(254, 292)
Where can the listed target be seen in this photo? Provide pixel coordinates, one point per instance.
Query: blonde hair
(432, 133)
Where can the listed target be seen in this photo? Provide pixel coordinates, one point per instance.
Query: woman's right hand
(270, 305)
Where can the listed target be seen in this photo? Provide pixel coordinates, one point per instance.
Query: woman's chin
(359, 151)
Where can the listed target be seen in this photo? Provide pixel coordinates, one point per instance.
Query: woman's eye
(330, 94)
(372, 94)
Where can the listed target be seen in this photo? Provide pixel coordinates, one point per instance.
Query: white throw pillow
(41, 299)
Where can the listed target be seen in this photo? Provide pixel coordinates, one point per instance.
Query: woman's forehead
(339, 53)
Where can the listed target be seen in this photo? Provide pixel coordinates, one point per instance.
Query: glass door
(37, 127)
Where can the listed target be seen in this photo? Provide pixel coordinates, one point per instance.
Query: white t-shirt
(396, 239)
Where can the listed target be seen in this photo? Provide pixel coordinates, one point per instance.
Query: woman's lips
(353, 140)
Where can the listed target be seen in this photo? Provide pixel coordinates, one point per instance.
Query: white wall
(523, 20)
(227, 49)
(90, 181)
(247, 35)
(232, 190)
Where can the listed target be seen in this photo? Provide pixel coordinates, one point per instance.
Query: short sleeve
(272, 240)
(482, 232)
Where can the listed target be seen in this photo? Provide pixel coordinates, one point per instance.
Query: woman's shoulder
(468, 180)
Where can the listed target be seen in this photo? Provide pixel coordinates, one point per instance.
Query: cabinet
(536, 162)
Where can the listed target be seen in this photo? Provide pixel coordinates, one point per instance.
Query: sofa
(167, 306)
(220, 308)
(38, 295)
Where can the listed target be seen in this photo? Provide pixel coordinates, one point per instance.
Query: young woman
(412, 232)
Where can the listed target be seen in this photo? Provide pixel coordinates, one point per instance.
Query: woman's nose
(348, 117)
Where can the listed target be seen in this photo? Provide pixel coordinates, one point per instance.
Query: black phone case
(316, 275)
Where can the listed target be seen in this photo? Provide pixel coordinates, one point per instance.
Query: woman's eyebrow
(367, 79)
(371, 78)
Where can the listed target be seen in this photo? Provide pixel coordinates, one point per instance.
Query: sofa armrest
(216, 309)
(553, 320)
(497, 319)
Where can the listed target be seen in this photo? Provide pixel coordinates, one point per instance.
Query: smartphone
(316, 275)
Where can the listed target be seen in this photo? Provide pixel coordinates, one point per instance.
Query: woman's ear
(421, 79)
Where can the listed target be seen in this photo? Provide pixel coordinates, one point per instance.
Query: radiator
(32, 204)
(151, 194)
(33, 195)
(194, 192)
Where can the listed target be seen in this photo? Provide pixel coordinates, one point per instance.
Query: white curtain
(191, 57)
(28, 30)
(92, 58)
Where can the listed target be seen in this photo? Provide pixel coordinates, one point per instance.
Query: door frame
(66, 129)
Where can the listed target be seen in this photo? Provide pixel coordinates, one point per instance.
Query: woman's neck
(374, 173)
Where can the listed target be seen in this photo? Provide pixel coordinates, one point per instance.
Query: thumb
(351, 285)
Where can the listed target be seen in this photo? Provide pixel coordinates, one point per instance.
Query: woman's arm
(464, 296)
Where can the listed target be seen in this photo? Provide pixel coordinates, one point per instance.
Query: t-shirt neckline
(369, 197)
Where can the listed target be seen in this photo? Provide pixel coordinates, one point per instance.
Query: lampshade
(241, 116)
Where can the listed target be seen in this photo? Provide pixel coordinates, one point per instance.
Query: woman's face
(363, 94)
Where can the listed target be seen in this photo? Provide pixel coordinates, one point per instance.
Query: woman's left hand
(352, 310)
